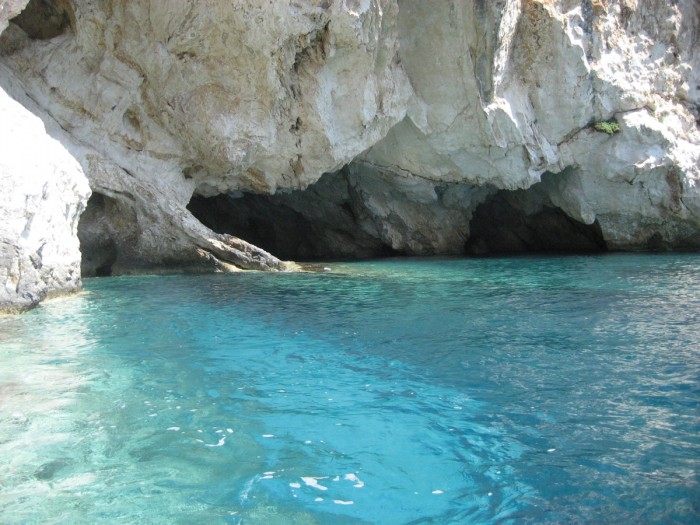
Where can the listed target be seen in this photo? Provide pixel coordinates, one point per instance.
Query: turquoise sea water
(524, 390)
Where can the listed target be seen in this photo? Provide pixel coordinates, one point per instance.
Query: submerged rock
(48, 471)
(413, 112)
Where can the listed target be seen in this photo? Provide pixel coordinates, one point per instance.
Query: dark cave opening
(98, 247)
(45, 19)
(291, 226)
(523, 221)
(344, 216)
(277, 229)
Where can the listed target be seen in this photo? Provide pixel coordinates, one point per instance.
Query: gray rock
(371, 125)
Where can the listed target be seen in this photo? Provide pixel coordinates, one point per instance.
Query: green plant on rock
(607, 126)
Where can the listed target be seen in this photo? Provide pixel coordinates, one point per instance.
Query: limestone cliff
(364, 127)
(43, 192)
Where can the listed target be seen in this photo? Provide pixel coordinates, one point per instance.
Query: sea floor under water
(403, 391)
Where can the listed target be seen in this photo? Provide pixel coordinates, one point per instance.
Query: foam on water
(541, 390)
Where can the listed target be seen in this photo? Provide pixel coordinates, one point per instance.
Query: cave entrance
(108, 233)
(357, 213)
(46, 19)
(260, 220)
(97, 246)
(318, 223)
(525, 221)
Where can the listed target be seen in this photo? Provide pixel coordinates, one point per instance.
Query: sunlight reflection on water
(404, 391)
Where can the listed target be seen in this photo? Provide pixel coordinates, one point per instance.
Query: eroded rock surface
(165, 99)
(43, 192)
(522, 82)
(10, 9)
(373, 126)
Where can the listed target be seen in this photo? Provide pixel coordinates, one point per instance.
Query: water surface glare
(522, 390)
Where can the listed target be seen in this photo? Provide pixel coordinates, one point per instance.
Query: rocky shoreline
(232, 135)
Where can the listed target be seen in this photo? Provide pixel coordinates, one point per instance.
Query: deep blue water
(522, 390)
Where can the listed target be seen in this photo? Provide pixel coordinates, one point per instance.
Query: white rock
(163, 99)
(44, 192)
(505, 92)
(417, 110)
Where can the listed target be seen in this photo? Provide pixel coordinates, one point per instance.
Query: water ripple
(526, 390)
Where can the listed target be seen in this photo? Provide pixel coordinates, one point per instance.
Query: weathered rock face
(521, 82)
(43, 192)
(10, 9)
(164, 99)
(364, 127)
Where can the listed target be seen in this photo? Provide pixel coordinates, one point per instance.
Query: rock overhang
(424, 109)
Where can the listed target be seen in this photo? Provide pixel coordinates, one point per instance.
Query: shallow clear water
(524, 390)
